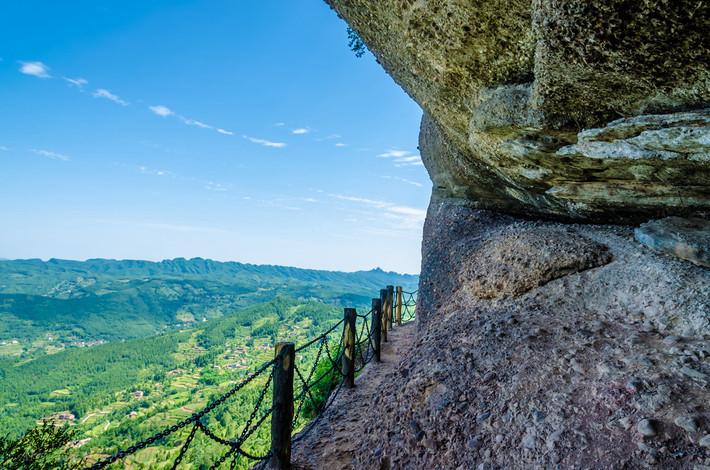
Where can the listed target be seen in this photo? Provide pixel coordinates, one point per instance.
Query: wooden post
(390, 307)
(399, 305)
(282, 413)
(383, 303)
(349, 347)
(377, 328)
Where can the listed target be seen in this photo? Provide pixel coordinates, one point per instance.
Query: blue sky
(242, 131)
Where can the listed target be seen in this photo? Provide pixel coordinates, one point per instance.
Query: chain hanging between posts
(364, 350)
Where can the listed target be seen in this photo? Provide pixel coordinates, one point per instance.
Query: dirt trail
(329, 445)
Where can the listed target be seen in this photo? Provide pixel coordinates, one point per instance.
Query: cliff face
(542, 343)
(538, 345)
(568, 109)
(589, 352)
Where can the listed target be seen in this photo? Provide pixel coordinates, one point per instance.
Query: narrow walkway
(329, 445)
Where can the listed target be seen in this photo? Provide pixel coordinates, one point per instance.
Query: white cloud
(193, 122)
(150, 171)
(340, 144)
(329, 137)
(414, 160)
(403, 180)
(50, 154)
(162, 111)
(362, 200)
(77, 82)
(406, 218)
(394, 154)
(402, 157)
(104, 93)
(264, 142)
(36, 69)
(300, 131)
(279, 124)
(217, 187)
(403, 217)
(408, 211)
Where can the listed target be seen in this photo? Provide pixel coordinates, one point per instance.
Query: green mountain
(82, 380)
(105, 300)
(120, 349)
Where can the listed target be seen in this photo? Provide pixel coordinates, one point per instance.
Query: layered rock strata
(575, 110)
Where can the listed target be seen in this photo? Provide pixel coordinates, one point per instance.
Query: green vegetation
(106, 300)
(325, 380)
(79, 380)
(356, 44)
(106, 376)
(42, 447)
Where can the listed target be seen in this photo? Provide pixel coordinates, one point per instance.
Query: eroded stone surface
(672, 296)
(627, 171)
(679, 136)
(510, 87)
(517, 260)
(688, 239)
(603, 368)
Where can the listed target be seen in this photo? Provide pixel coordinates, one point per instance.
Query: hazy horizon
(225, 131)
(45, 260)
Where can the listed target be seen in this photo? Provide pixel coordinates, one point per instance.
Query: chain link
(234, 447)
(184, 447)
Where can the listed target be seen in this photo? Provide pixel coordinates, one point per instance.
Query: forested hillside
(60, 303)
(119, 349)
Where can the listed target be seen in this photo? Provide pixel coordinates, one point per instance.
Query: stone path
(329, 445)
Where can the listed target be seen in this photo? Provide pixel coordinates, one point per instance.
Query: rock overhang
(572, 110)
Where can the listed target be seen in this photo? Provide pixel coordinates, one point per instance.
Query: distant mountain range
(78, 337)
(103, 299)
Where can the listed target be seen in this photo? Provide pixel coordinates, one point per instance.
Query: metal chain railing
(195, 420)
(364, 344)
(326, 377)
(409, 303)
(313, 394)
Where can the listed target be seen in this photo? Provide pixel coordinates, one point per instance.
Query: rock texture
(542, 344)
(669, 293)
(574, 109)
(606, 367)
(687, 239)
(330, 443)
(514, 261)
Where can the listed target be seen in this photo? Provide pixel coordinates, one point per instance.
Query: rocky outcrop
(612, 274)
(516, 260)
(687, 239)
(522, 100)
(607, 367)
(545, 344)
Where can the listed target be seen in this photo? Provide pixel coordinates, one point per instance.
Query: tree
(355, 43)
(42, 447)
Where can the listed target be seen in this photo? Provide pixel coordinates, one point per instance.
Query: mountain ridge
(121, 299)
(181, 260)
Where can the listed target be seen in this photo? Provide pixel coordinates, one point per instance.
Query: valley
(117, 372)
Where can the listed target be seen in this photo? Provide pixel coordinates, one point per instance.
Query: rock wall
(550, 343)
(567, 109)
(592, 353)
